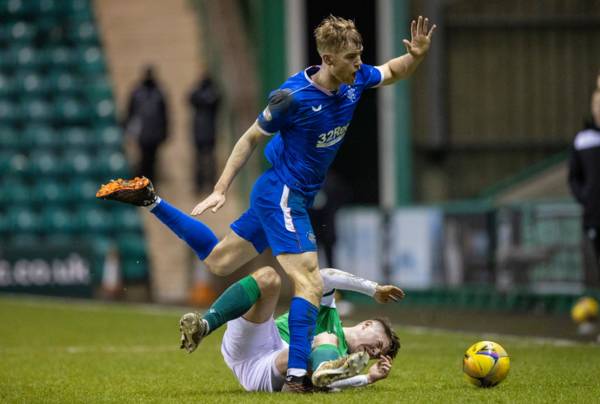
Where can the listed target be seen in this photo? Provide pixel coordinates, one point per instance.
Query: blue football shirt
(309, 123)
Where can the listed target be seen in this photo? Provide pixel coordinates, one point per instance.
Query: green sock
(323, 353)
(233, 303)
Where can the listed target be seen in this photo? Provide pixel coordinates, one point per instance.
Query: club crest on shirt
(351, 94)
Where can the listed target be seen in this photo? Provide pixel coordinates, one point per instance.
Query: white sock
(155, 204)
(296, 372)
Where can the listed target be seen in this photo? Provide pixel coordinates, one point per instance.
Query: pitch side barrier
(474, 255)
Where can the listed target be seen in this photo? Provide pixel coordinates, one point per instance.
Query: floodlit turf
(63, 352)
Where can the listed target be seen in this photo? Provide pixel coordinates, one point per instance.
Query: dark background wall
(356, 162)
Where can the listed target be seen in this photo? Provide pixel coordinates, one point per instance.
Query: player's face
(345, 64)
(373, 338)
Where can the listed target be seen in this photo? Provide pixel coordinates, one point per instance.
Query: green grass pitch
(67, 352)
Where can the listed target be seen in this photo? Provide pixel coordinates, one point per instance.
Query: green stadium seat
(30, 84)
(78, 138)
(56, 220)
(61, 57)
(14, 191)
(82, 190)
(63, 83)
(4, 225)
(127, 219)
(26, 57)
(78, 162)
(45, 163)
(104, 110)
(40, 136)
(22, 219)
(111, 165)
(36, 110)
(70, 111)
(18, 164)
(92, 220)
(83, 33)
(98, 89)
(109, 137)
(20, 32)
(91, 61)
(49, 192)
(7, 87)
(10, 112)
(9, 139)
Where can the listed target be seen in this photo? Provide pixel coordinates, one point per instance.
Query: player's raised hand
(214, 201)
(388, 293)
(420, 37)
(380, 369)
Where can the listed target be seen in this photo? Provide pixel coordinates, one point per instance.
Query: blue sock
(195, 233)
(301, 322)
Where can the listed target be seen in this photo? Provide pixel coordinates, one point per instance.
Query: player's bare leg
(194, 326)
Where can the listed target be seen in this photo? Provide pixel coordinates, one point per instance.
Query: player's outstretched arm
(238, 157)
(336, 279)
(418, 46)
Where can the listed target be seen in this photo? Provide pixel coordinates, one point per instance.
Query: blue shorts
(277, 218)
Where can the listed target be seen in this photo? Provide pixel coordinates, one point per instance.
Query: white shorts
(250, 349)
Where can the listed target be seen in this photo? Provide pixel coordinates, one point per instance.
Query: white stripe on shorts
(287, 212)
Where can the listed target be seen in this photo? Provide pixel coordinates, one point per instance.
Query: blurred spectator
(330, 198)
(584, 180)
(147, 121)
(204, 100)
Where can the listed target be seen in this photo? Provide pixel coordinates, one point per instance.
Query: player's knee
(268, 280)
(325, 338)
(218, 265)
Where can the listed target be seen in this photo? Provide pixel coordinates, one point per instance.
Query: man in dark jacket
(147, 121)
(584, 180)
(204, 101)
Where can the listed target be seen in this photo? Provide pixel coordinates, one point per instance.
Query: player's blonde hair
(336, 33)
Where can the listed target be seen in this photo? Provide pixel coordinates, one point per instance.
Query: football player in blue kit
(308, 117)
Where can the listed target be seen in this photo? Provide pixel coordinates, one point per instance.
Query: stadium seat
(61, 57)
(8, 89)
(126, 219)
(45, 163)
(77, 138)
(20, 32)
(14, 192)
(56, 220)
(40, 136)
(22, 219)
(63, 83)
(9, 139)
(10, 112)
(111, 165)
(104, 110)
(91, 61)
(18, 164)
(109, 137)
(82, 190)
(70, 111)
(83, 33)
(30, 84)
(36, 110)
(78, 162)
(49, 192)
(92, 220)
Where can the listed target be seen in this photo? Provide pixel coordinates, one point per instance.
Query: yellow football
(584, 310)
(485, 364)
